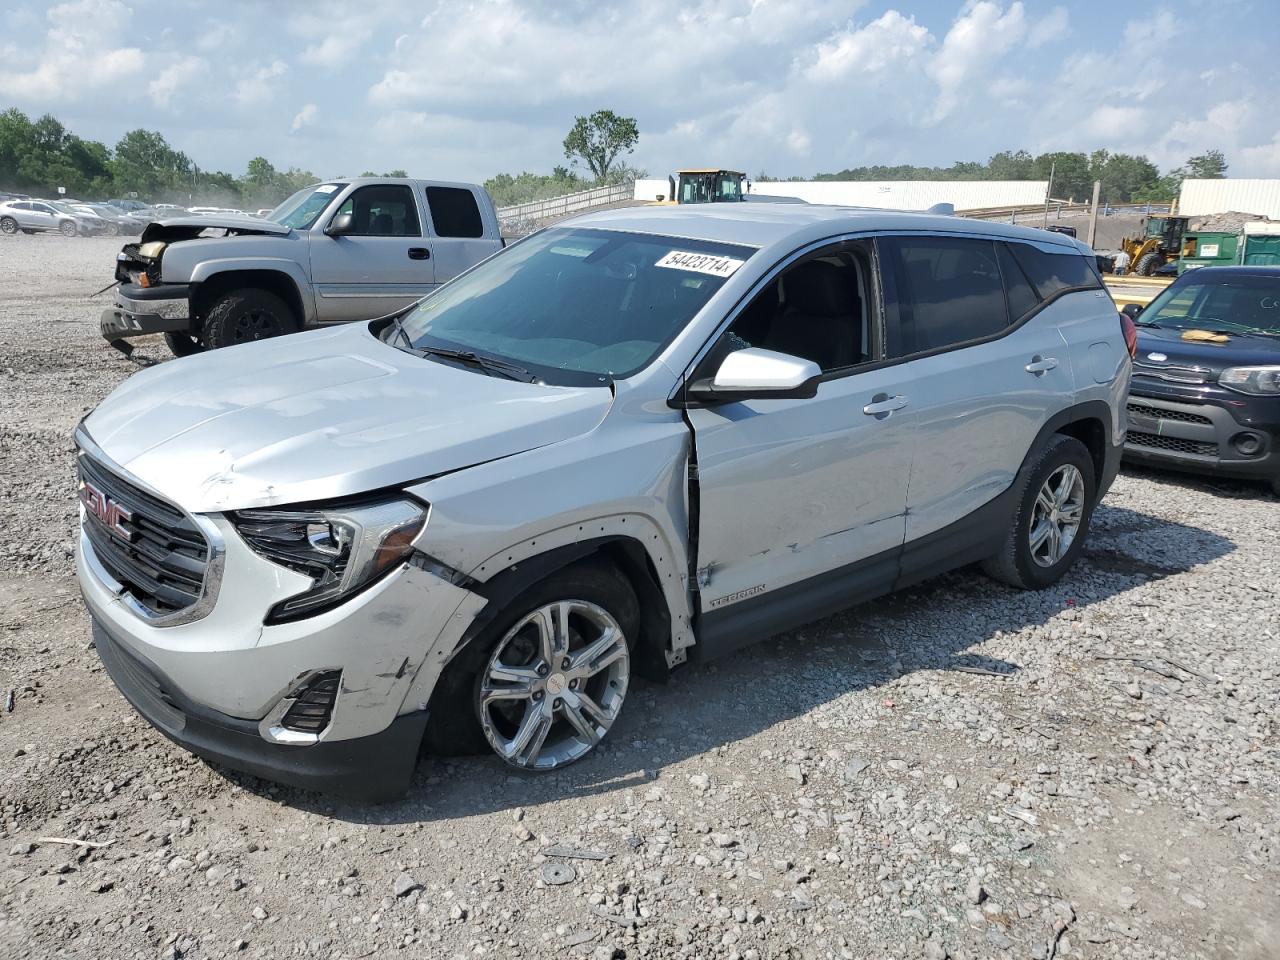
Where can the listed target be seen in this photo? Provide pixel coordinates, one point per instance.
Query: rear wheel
(183, 344)
(68, 228)
(545, 682)
(1147, 264)
(1054, 509)
(242, 316)
(113, 229)
(9, 226)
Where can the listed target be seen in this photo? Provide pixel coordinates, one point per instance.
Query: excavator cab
(709, 186)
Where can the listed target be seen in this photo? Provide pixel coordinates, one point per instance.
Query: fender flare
(208, 270)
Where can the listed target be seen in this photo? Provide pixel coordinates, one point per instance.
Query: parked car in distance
(1206, 378)
(130, 206)
(333, 252)
(118, 222)
(645, 436)
(36, 216)
(89, 222)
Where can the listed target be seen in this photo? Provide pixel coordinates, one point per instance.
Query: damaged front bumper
(139, 311)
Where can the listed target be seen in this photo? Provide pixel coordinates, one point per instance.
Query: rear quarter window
(1051, 273)
(454, 212)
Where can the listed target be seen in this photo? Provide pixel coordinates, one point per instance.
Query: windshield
(303, 209)
(576, 306)
(1233, 304)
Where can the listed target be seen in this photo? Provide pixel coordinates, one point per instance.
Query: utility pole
(1093, 211)
(1049, 192)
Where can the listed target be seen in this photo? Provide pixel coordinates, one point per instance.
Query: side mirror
(340, 224)
(1131, 310)
(755, 373)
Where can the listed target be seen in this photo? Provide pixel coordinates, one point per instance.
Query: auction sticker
(700, 263)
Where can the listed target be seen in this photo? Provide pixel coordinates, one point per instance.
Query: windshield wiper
(1147, 323)
(398, 327)
(511, 371)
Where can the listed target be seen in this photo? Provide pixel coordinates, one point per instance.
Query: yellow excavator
(706, 186)
(1160, 243)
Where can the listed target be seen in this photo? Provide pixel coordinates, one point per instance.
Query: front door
(801, 502)
(383, 265)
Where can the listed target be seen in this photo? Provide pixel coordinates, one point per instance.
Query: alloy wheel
(1056, 516)
(255, 325)
(554, 685)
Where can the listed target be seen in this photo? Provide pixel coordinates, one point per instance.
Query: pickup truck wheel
(545, 681)
(9, 225)
(68, 228)
(1055, 506)
(183, 344)
(242, 316)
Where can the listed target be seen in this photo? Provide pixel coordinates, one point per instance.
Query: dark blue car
(1205, 395)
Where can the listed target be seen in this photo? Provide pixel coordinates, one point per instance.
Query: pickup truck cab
(347, 249)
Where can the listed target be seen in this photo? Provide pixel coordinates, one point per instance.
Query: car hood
(187, 227)
(319, 415)
(1239, 350)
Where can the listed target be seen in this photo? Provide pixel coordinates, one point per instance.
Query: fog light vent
(1247, 444)
(312, 707)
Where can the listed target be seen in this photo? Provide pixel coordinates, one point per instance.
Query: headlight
(1259, 381)
(343, 549)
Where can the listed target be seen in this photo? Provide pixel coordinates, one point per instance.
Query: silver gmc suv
(645, 436)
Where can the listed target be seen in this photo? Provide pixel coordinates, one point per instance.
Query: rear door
(458, 228)
(801, 502)
(987, 367)
(383, 265)
(41, 216)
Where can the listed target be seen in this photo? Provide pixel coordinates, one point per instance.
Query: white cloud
(979, 35)
(883, 43)
(258, 86)
(1262, 160)
(172, 78)
(79, 54)
(305, 117)
(1050, 29)
(1150, 32)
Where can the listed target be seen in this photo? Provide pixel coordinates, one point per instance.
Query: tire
(29, 233)
(1275, 486)
(467, 718)
(243, 316)
(1147, 264)
(113, 229)
(67, 228)
(1023, 563)
(183, 344)
(9, 226)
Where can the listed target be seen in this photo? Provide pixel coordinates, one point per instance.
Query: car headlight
(1259, 381)
(342, 549)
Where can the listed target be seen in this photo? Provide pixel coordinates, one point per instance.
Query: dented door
(790, 489)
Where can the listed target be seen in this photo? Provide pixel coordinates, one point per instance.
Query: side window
(821, 309)
(1017, 288)
(22, 205)
(454, 212)
(949, 291)
(1051, 272)
(384, 210)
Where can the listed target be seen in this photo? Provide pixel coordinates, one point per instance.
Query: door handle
(1040, 365)
(419, 253)
(882, 405)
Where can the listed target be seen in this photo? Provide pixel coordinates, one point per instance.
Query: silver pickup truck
(349, 249)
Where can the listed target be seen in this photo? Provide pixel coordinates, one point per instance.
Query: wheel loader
(707, 186)
(1160, 243)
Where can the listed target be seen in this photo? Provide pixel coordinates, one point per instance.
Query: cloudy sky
(463, 89)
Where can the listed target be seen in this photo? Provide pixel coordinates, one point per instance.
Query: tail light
(1130, 331)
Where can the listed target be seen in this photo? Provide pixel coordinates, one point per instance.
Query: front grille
(1182, 416)
(1173, 374)
(1173, 444)
(162, 563)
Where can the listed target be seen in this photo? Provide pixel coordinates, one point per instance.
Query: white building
(890, 194)
(1203, 197)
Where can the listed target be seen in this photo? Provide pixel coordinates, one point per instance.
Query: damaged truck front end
(146, 301)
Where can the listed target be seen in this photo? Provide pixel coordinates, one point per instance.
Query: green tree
(145, 162)
(599, 140)
(1071, 176)
(1210, 165)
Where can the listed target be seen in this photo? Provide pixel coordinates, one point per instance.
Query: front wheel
(9, 226)
(113, 229)
(1147, 264)
(183, 344)
(68, 228)
(242, 316)
(1049, 528)
(545, 682)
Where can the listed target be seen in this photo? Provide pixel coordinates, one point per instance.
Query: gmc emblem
(113, 516)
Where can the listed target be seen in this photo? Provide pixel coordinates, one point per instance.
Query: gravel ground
(960, 770)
